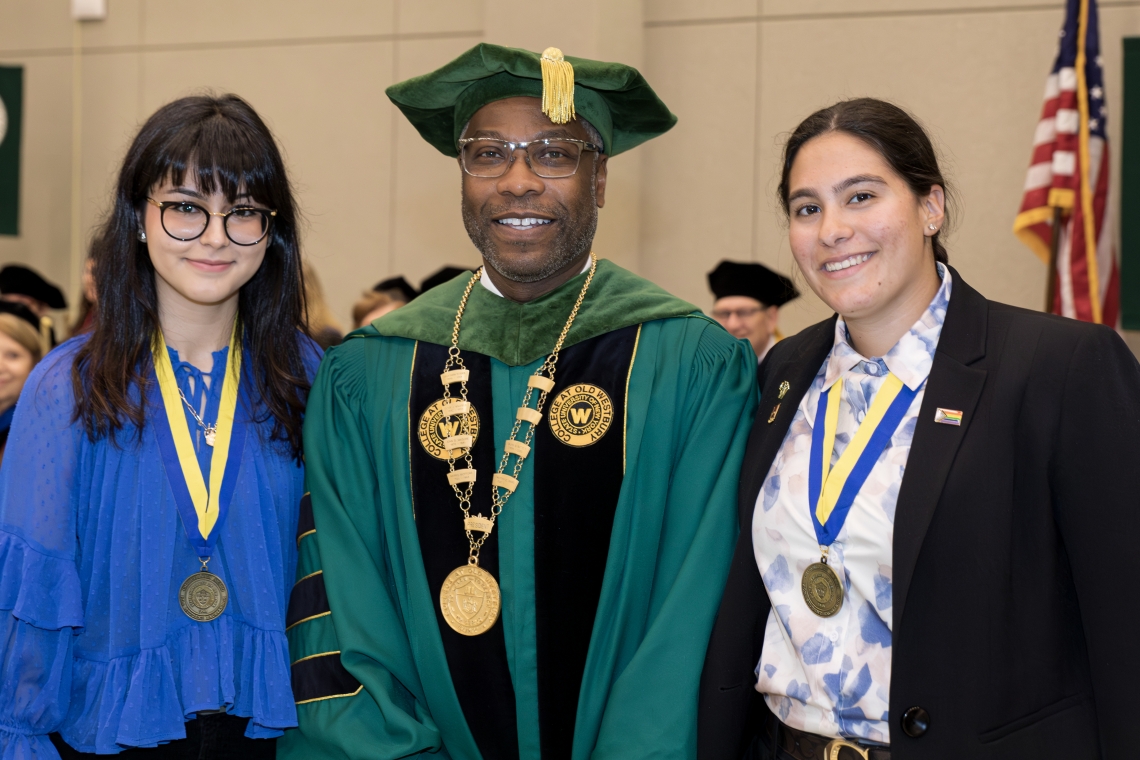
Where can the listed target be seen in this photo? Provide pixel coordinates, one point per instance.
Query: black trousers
(215, 736)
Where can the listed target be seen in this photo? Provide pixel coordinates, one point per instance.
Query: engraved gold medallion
(434, 428)
(581, 415)
(822, 590)
(470, 601)
(203, 597)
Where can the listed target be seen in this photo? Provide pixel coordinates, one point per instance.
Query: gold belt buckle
(831, 751)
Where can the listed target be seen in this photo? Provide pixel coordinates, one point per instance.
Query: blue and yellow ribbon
(832, 491)
(203, 509)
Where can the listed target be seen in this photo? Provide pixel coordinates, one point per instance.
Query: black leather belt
(801, 745)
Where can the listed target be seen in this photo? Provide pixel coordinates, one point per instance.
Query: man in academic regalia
(748, 300)
(19, 284)
(523, 483)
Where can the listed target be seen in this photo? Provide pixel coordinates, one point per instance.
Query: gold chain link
(500, 495)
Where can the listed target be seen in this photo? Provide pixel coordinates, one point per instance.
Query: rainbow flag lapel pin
(948, 416)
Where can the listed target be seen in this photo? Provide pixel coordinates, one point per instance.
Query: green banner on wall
(1130, 189)
(11, 112)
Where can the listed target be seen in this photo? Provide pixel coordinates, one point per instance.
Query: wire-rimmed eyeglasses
(244, 225)
(550, 158)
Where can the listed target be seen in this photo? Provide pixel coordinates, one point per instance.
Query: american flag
(1069, 171)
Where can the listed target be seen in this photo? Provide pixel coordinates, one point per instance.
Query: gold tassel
(557, 86)
(45, 334)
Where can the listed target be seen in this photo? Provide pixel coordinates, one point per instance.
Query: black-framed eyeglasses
(549, 159)
(244, 225)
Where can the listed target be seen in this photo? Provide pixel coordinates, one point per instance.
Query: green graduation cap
(613, 97)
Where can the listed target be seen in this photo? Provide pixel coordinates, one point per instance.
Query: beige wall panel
(323, 104)
(123, 25)
(980, 98)
(110, 120)
(688, 10)
(221, 21)
(1115, 25)
(902, 7)
(425, 225)
(698, 199)
(439, 16)
(34, 24)
(45, 169)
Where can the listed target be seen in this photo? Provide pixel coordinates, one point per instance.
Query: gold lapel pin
(772, 416)
(784, 388)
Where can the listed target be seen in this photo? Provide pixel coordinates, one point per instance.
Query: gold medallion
(581, 415)
(822, 590)
(203, 597)
(470, 600)
(434, 428)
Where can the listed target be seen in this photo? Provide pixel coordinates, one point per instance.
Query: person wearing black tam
(748, 298)
(446, 274)
(523, 483)
(396, 287)
(19, 284)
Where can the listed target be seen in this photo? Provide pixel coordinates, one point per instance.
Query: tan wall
(379, 201)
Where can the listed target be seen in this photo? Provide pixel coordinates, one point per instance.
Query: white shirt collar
(485, 280)
(910, 359)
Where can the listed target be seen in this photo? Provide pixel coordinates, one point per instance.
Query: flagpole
(1054, 246)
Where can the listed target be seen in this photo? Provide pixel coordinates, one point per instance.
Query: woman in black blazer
(982, 596)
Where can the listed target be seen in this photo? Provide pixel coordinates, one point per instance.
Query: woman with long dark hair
(938, 500)
(148, 499)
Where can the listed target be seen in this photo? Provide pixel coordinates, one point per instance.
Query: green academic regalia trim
(519, 333)
(690, 403)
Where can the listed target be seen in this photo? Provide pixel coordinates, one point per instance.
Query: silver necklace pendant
(211, 434)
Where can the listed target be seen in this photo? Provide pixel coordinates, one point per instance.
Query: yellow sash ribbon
(834, 479)
(205, 502)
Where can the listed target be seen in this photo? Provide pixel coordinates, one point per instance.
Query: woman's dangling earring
(142, 236)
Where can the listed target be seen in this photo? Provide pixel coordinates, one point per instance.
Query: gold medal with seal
(581, 415)
(435, 427)
(822, 589)
(470, 600)
(203, 596)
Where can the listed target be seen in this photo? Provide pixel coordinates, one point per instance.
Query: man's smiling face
(529, 228)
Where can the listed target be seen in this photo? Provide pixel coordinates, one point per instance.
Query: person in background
(748, 300)
(139, 611)
(445, 274)
(939, 497)
(19, 284)
(397, 289)
(85, 319)
(20, 351)
(373, 305)
(323, 326)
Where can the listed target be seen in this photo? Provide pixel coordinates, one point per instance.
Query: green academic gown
(611, 554)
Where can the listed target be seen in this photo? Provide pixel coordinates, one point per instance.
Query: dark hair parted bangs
(229, 148)
(893, 133)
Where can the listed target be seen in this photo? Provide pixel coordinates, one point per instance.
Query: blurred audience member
(748, 299)
(373, 305)
(86, 317)
(440, 277)
(20, 350)
(396, 288)
(323, 327)
(18, 284)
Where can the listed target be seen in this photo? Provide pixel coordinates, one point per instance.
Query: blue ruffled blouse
(93, 642)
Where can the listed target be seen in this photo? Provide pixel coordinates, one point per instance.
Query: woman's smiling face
(209, 269)
(858, 232)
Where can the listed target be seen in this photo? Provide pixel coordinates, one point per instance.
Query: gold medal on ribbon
(822, 590)
(203, 596)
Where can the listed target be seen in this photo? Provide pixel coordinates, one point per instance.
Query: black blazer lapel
(953, 384)
(798, 369)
